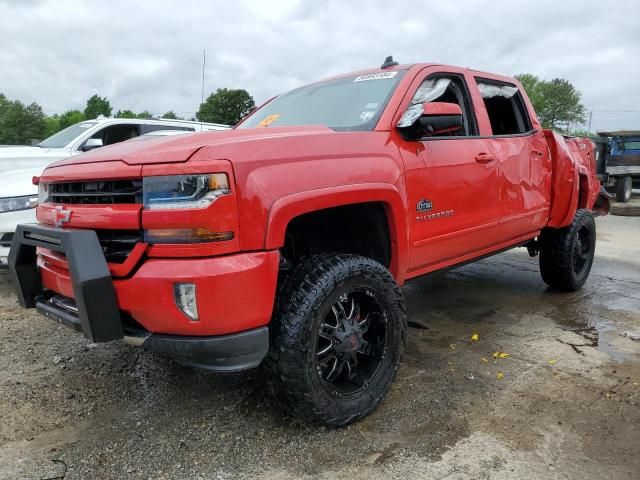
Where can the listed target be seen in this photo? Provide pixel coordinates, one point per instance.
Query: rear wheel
(623, 189)
(566, 254)
(337, 338)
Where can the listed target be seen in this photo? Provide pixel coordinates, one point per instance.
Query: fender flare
(285, 209)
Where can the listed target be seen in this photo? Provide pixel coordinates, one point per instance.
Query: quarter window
(505, 107)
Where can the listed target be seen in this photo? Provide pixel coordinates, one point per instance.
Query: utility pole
(590, 117)
(204, 61)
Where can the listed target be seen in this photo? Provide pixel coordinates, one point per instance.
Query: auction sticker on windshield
(375, 76)
(268, 120)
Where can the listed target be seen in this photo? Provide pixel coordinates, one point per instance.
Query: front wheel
(566, 254)
(337, 338)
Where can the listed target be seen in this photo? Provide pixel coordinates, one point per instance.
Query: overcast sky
(147, 55)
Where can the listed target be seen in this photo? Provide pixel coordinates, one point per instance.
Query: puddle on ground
(605, 315)
(629, 304)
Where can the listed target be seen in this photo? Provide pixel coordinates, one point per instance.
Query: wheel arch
(286, 209)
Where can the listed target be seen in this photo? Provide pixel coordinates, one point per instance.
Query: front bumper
(8, 223)
(234, 294)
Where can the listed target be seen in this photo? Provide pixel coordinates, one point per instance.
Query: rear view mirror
(91, 144)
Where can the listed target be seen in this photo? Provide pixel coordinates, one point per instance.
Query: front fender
(291, 206)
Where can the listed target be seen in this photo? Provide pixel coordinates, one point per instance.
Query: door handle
(484, 158)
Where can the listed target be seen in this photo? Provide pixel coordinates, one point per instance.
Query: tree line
(22, 124)
(557, 103)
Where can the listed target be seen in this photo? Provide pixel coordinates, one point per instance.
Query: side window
(117, 133)
(448, 89)
(146, 128)
(505, 107)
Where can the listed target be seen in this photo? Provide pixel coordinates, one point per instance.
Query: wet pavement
(564, 403)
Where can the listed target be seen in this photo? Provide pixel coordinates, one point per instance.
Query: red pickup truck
(284, 242)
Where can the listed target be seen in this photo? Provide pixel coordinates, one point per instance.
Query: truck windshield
(66, 136)
(344, 104)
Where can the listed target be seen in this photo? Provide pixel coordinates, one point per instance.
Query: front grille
(97, 192)
(117, 244)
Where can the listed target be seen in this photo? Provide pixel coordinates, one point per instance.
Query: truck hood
(17, 182)
(180, 148)
(32, 155)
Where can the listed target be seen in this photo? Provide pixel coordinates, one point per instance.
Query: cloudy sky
(148, 54)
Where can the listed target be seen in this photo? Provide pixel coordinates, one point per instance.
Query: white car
(19, 164)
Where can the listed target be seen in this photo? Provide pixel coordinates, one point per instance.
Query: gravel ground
(563, 404)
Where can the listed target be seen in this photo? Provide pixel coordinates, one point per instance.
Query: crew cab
(284, 242)
(19, 164)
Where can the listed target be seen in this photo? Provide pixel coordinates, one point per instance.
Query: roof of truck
(421, 65)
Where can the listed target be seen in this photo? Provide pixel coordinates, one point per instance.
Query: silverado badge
(424, 205)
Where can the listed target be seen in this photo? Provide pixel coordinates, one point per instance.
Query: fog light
(185, 294)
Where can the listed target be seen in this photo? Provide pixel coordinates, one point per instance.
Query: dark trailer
(622, 162)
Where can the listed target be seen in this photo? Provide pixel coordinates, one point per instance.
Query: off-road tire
(306, 296)
(624, 186)
(562, 250)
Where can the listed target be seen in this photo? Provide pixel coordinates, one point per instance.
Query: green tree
(20, 124)
(144, 114)
(4, 104)
(557, 102)
(71, 117)
(171, 115)
(125, 114)
(97, 106)
(531, 84)
(52, 125)
(561, 105)
(226, 106)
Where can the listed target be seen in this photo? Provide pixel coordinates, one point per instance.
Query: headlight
(12, 204)
(43, 193)
(183, 191)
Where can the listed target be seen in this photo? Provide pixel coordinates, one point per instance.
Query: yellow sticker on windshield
(269, 120)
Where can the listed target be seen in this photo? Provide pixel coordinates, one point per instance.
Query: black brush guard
(95, 311)
(97, 314)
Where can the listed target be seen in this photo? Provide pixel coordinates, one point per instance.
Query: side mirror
(91, 144)
(441, 117)
(433, 118)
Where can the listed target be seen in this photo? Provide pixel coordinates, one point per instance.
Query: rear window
(505, 107)
(634, 145)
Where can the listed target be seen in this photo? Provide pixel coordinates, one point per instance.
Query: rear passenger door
(523, 161)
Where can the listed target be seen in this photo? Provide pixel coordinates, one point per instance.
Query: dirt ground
(564, 404)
